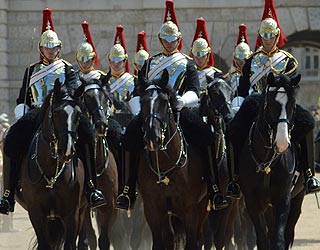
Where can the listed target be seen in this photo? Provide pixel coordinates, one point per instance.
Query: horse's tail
(55, 232)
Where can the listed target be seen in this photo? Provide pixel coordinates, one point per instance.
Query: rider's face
(201, 61)
(50, 53)
(170, 46)
(117, 67)
(85, 65)
(268, 44)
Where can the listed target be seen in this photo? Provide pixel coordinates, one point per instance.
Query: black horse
(267, 164)
(216, 110)
(96, 102)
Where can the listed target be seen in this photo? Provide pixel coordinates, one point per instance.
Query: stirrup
(233, 190)
(312, 185)
(6, 207)
(219, 202)
(96, 199)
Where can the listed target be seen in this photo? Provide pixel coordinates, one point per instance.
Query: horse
(52, 178)
(215, 109)
(170, 178)
(96, 102)
(267, 166)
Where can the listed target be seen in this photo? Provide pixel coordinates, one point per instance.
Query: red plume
(242, 36)
(47, 22)
(119, 38)
(88, 37)
(141, 44)
(201, 31)
(170, 15)
(142, 41)
(270, 11)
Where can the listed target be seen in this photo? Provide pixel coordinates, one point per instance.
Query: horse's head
(63, 114)
(279, 108)
(96, 101)
(215, 101)
(157, 98)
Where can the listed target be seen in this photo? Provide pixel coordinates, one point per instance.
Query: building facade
(21, 20)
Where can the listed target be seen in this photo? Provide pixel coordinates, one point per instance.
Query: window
(308, 58)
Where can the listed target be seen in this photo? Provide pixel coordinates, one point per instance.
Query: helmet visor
(268, 35)
(116, 59)
(169, 39)
(51, 45)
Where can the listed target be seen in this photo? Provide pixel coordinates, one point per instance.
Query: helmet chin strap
(165, 51)
(90, 68)
(274, 47)
(46, 60)
(205, 65)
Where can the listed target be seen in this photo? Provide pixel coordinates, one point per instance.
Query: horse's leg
(154, 220)
(257, 216)
(138, 222)
(104, 215)
(207, 234)
(90, 233)
(191, 227)
(295, 211)
(281, 209)
(72, 225)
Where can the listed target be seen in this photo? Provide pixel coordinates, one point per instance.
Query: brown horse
(52, 179)
(170, 174)
(96, 101)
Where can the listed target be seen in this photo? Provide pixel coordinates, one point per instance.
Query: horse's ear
(141, 77)
(57, 87)
(270, 78)
(165, 77)
(295, 81)
(79, 91)
(209, 78)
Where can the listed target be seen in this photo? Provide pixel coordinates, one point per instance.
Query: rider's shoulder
(286, 53)
(66, 62)
(101, 72)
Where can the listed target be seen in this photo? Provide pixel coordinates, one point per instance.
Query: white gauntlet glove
(189, 100)
(236, 103)
(20, 110)
(134, 104)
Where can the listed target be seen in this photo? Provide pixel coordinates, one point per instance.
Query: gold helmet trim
(200, 47)
(242, 51)
(85, 52)
(141, 56)
(117, 53)
(49, 39)
(169, 31)
(268, 28)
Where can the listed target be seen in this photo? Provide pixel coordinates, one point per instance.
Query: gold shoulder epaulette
(187, 56)
(66, 62)
(102, 72)
(217, 70)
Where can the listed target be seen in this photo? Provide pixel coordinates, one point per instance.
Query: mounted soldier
(183, 78)
(241, 53)
(121, 82)
(202, 54)
(269, 58)
(38, 80)
(142, 52)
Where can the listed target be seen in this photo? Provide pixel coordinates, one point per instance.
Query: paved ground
(307, 230)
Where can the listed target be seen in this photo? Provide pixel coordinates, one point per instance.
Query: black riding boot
(312, 184)
(217, 199)
(233, 187)
(94, 196)
(126, 200)
(10, 180)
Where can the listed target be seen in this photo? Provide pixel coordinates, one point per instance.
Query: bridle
(264, 166)
(166, 139)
